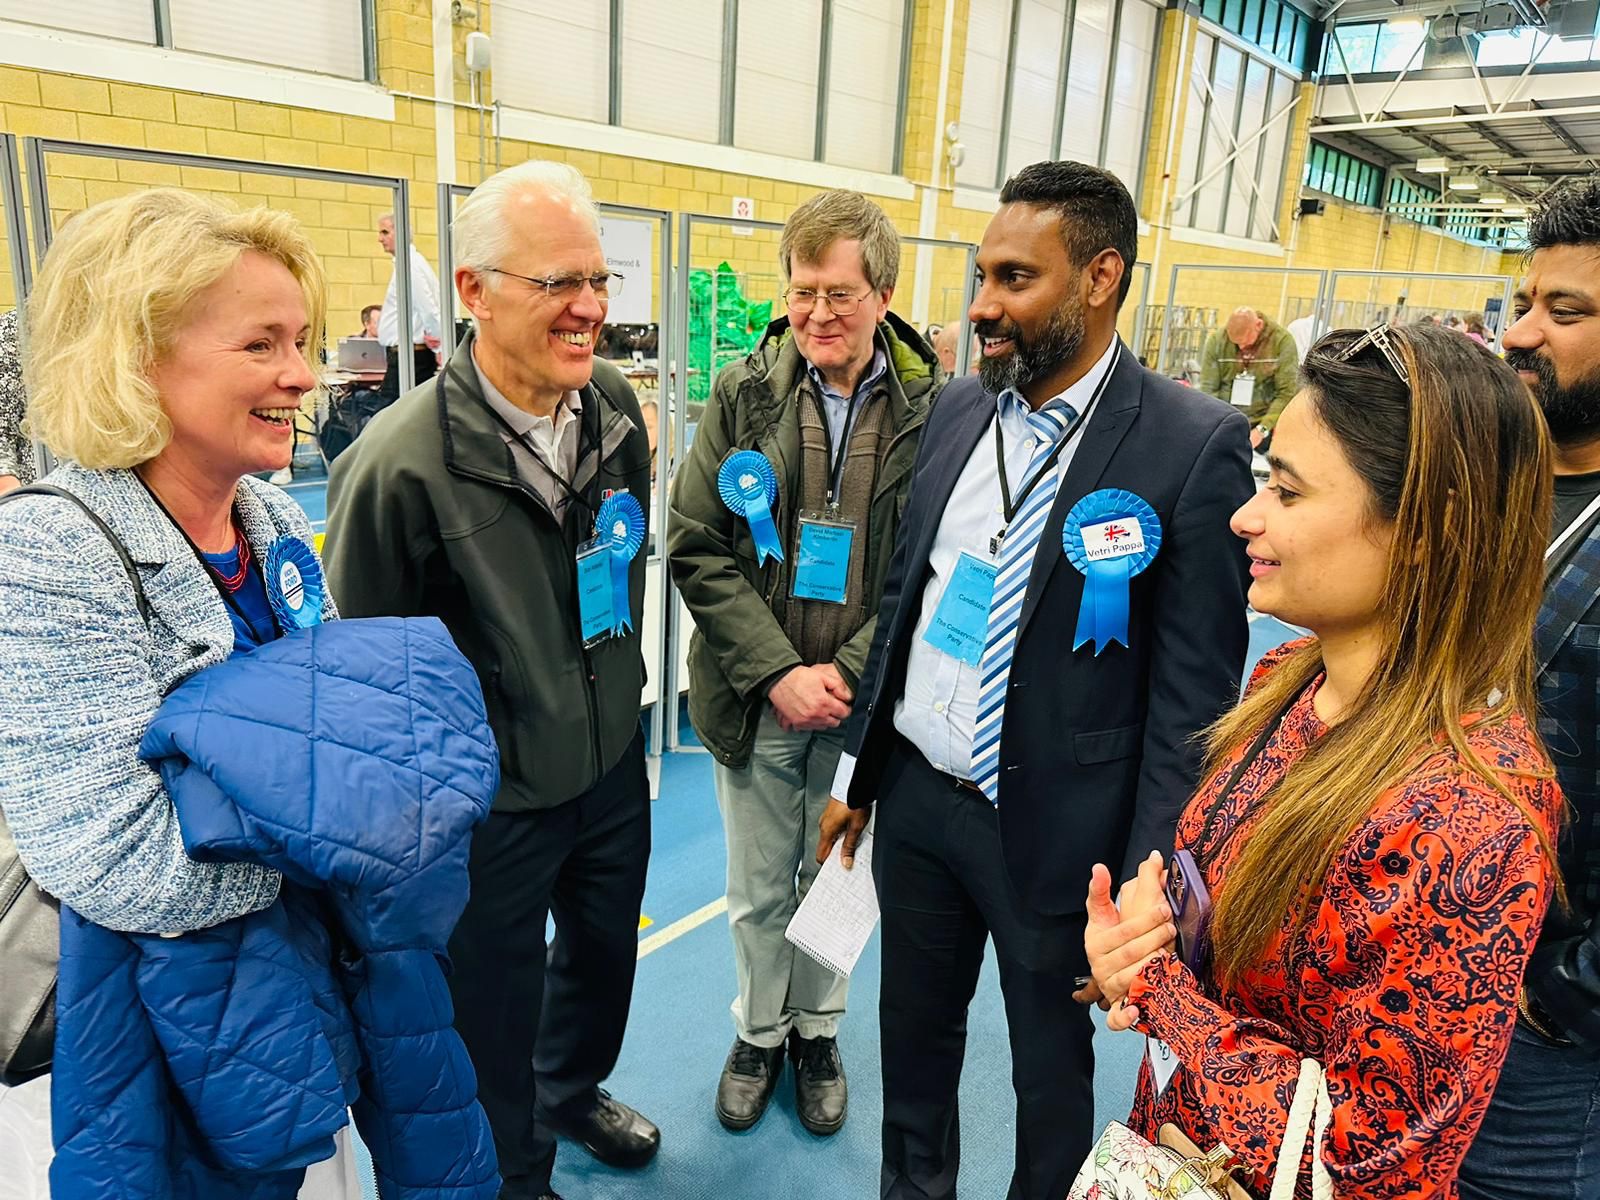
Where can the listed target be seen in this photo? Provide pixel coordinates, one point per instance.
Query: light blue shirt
(836, 406)
(939, 707)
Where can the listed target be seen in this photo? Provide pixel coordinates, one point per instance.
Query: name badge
(1113, 539)
(960, 626)
(822, 568)
(1163, 1062)
(1244, 390)
(595, 615)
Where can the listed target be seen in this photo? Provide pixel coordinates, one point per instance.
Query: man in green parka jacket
(834, 400)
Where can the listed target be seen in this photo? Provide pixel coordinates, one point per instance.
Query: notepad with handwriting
(840, 911)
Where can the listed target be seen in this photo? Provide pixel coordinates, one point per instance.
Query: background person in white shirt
(425, 319)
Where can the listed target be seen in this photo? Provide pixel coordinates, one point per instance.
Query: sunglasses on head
(1378, 337)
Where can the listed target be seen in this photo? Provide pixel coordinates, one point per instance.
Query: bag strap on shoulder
(45, 489)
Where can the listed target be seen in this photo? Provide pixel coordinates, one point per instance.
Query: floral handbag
(1124, 1166)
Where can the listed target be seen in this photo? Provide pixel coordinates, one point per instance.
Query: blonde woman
(170, 343)
(1376, 831)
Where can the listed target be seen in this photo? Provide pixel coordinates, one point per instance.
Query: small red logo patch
(1113, 532)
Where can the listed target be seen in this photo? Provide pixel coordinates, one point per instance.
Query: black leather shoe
(821, 1096)
(749, 1078)
(612, 1132)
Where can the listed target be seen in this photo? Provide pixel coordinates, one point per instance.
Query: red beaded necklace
(235, 581)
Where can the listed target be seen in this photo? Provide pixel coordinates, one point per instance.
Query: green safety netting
(739, 326)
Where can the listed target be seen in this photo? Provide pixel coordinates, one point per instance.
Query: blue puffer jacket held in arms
(356, 759)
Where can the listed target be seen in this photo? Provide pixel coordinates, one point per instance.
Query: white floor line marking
(683, 925)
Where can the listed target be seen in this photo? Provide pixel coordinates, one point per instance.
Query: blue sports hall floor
(680, 1031)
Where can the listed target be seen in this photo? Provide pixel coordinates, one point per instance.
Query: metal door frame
(680, 422)
(1141, 314)
(35, 150)
(16, 226)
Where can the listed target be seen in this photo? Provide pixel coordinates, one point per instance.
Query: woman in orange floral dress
(1377, 826)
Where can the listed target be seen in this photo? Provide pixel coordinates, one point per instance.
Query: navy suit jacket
(1098, 754)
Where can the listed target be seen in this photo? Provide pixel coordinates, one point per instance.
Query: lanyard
(527, 443)
(836, 461)
(1268, 732)
(1012, 507)
(228, 597)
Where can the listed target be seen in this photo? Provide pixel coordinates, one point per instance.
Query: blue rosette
(1109, 536)
(749, 487)
(620, 525)
(295, 586)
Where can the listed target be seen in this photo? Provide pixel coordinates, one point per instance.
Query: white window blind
(1086, 82)
(1276, 141)
(672, 67)
(1252, 116)
(1033, 83)
(775, 91)
(864, 83)
(554, 56)
(1226, 78)
(1194, 120)
(135, 21)
(1243, 196)
(307, 35)
(1130, 93)
(983, 87)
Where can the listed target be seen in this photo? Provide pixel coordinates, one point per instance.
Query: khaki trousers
(770, 811)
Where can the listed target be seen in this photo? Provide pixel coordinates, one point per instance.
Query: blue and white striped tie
(1010, 590)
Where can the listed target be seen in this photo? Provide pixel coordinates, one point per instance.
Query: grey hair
(842, 216)
(481, 234)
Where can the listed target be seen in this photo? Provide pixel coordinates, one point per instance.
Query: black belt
(909, 748)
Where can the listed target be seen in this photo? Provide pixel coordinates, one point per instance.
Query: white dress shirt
(424, 305)
(939, 707)
(541, 447)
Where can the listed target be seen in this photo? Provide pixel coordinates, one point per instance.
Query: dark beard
(1030, 357)
(1572, 412)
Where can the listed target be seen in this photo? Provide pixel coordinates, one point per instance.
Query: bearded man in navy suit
(1064, 612)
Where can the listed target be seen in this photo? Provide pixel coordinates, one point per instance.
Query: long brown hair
(1458, 464)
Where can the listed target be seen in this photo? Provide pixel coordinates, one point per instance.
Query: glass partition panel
(1200, 299)
(1359, 299)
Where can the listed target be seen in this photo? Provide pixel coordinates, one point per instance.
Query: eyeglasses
(841, 304)
(568, 287)
(1378, 337)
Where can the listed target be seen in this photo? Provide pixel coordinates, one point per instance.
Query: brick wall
(341, 219)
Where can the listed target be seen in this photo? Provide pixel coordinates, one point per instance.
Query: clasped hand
(1122, 937)
(811, 699)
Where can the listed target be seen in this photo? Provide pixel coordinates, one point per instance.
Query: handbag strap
(45, 489)
(1310, 1114)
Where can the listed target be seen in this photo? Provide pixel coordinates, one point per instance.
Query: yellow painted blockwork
(341, 219)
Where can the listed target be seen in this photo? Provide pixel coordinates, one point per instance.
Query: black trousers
(543, 1036)
(426, 367)
(943, 890)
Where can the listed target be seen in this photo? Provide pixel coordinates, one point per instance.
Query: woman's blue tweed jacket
(80, 679)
